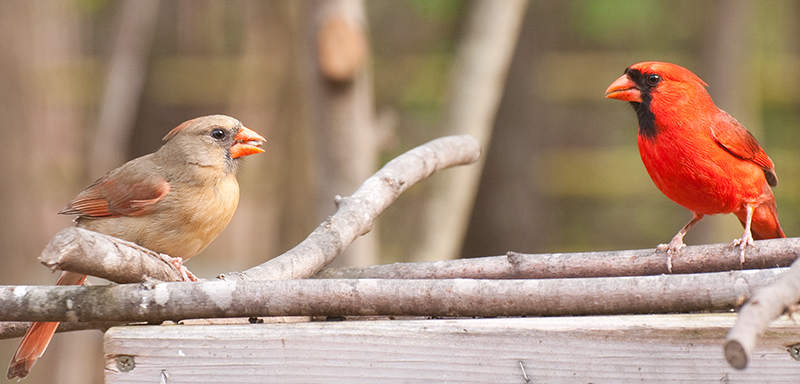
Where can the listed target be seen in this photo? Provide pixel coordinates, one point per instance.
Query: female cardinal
(174, 201)
(697, 154)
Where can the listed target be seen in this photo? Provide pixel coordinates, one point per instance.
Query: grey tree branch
(693, 259)
(754, 317)
(12, 329)
(79, 250)
(91, 253)
(356, 213)
(155, 302)
(95, 254)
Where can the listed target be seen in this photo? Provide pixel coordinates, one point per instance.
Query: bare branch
(83, 251)
(356, 213)
(12, 329)
(91, 253)
(155, 302)
(693, 259)
(754, 317)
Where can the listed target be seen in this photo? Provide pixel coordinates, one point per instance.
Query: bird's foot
(742, 243)
(177, 262)
(674, 246)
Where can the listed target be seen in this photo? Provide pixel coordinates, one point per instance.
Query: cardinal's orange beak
(624, 89)
(248, 142)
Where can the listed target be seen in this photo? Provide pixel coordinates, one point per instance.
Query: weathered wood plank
(600, 349)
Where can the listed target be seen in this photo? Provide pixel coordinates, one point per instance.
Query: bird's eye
(653, 79)
(217, 134)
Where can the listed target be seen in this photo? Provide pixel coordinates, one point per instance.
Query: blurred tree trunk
(264, 100)
(729, 65)
(476, 84)
(124, 83)
(40, 104)
(339, 90)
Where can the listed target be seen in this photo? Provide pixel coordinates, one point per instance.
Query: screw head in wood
(794, 351)
(125, 363)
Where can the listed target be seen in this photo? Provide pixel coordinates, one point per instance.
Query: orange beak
(624, 89)
(248, 142)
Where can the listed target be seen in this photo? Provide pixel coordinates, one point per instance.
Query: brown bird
(174, 201)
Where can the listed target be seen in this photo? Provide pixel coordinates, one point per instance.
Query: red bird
(697, 154)
(174, 201)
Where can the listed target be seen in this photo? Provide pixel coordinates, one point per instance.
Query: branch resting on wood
(155, 302)
(754, 317)
(91, 253)
(693, 259)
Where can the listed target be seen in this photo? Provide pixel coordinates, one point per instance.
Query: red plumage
(697, 154)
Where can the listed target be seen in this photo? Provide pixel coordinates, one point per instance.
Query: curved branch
(356, 213)
(92, 253)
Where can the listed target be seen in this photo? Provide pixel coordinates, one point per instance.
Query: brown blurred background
(88, 84)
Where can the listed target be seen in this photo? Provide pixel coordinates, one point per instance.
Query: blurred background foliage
(562, 170)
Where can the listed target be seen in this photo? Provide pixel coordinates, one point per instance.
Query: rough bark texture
(754, 317)
(355, 214)
(95, 254)
(692, 259)
(91, 253)
(156, 302)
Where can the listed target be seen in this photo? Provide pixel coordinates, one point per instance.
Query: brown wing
(738, 141)
(119, 193)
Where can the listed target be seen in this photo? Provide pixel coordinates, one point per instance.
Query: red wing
(110, 197)
(738, 141)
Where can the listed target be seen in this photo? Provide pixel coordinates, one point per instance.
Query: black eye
(653, 79)
(217, 134)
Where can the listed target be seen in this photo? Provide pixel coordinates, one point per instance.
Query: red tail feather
(38, 336)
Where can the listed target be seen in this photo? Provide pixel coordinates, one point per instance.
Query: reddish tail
(38, 336)
(765, 223)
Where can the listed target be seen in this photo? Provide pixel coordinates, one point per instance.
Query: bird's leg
(677, 243)
(747, 236)
(177, 262)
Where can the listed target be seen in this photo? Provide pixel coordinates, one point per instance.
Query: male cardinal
(697, 154)
(174, 201)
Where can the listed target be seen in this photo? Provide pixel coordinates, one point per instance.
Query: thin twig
(772, 253)
(12, 329)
